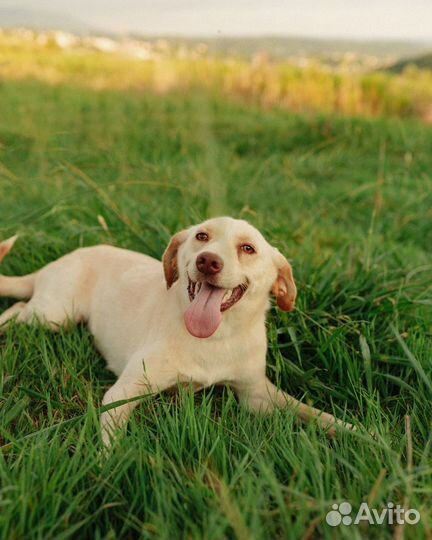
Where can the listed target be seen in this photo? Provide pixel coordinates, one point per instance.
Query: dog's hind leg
(30, 312)
(53, 293)
(11, 313)
(15, 287)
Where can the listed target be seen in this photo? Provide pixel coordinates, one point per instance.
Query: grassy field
(311, 88)
(349, 201)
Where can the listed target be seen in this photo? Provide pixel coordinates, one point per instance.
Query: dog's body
(207, 327)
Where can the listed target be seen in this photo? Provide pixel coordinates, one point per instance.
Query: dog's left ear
(284, 288)
(169, 258)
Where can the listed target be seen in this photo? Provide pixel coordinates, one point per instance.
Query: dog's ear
(284, 288)
(169, 259)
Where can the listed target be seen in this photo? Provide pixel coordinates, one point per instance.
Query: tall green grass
(313, 88)
(347, 200)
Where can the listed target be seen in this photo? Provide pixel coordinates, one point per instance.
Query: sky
(364, 19)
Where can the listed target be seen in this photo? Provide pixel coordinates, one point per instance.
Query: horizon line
(220, 35)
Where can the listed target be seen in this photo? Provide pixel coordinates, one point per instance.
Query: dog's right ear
(284, 288)
(169, 259)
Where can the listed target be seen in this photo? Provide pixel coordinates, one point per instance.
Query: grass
(347, 200)
(313, 88)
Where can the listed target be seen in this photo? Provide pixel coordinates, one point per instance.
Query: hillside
(276, 47)
(421, 62)
(159, 67)
(282, 47)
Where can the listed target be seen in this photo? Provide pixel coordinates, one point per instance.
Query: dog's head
(226, 264)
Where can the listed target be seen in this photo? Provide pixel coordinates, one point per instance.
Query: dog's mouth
(208, 302)
(230, 297)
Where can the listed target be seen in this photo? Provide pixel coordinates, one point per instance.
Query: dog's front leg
(136, 380)
(263, 396)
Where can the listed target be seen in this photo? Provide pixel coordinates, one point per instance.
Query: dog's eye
(202, 237)
(247, 248)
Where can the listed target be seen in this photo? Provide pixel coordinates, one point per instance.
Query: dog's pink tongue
(203, 316)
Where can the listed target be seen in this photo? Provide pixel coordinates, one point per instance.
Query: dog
(198, 317)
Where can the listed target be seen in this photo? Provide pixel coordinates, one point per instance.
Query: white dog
(198, 317)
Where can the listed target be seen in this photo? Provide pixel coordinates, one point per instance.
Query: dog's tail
(15, 287)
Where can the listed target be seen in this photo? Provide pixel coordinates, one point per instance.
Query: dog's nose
(209, 263)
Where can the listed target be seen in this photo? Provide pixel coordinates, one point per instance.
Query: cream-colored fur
(134, 307)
